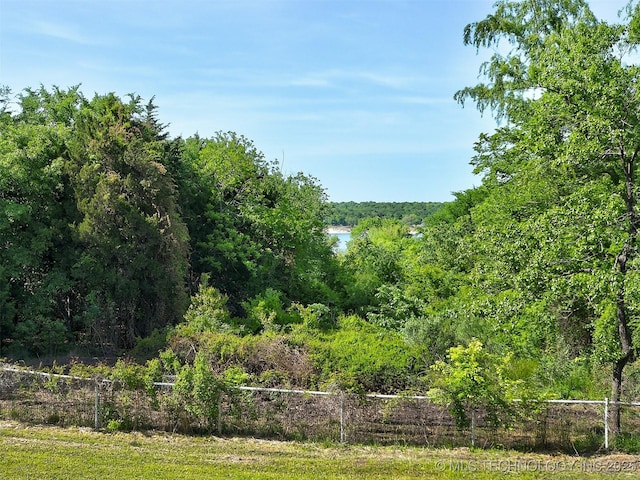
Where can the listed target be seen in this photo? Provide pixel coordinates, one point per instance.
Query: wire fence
(572, 425)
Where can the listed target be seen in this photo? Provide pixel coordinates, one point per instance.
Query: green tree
(208, 310)
(36, 293)
(563, 171)
(134, 261)
(197, 390)
(252, 228)
(350, 213)
(374, 258)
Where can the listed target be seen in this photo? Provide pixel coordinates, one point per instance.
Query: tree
(252, 228)
(135, 244)
(350, 213)
(563, 172)
(373, 259)
(208, 310)
(36, 206)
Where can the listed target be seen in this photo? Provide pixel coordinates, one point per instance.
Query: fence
(573, 425)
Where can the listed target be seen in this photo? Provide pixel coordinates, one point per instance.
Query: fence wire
(577, 426)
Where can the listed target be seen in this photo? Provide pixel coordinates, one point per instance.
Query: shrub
(366, 357)
(473, 379)
(266, 312)
(316, 316)
(132, 376)
(148, 347)
(208, 311)
(198, 390)
(628, 443)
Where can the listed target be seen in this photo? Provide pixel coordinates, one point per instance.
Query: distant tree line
(409, 213)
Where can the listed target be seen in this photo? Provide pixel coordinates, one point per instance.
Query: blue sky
(357, 93)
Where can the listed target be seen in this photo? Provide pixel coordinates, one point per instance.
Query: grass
(30, 452)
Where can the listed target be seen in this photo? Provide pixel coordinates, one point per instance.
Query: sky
(355, 93)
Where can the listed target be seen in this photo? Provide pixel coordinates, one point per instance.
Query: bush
(473, 379)
(366, 356)
(266, 312)
(316, 316)
(149, 347)
(198, 390)
(628, 443)
(132, 376)
(208, 310)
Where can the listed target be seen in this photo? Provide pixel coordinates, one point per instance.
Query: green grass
(29, 452)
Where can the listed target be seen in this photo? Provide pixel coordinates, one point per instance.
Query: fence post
(220, 415)
(606, 423)
(343, 436)
(473, 427)
(96, 418)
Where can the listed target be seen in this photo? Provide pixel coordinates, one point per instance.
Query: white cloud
(62, 32)
(336, 77)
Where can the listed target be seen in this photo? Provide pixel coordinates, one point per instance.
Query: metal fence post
(606, 423)
(343, 436)
(220, 415)
(96, 408)
(473, 427)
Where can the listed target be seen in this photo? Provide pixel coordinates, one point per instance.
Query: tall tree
(135, 244)
(564, 170)
(36, 205)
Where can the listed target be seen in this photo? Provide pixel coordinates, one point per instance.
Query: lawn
(33, 452)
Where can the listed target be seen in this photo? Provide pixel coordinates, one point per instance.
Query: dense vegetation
(107, 224)
(410, 213)
(115, 236)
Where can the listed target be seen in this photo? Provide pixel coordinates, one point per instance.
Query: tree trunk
(624, 332)
(626, 347)
(616, 394)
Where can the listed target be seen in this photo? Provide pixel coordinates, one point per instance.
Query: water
(343, 238)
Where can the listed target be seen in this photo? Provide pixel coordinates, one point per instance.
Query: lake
(343, 234)
(343, 238)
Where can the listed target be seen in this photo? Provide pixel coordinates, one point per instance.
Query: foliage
(105, 223)
(251, 227)
(266, 312)
(374, 258)
(104, 245)
(149, 347)
(351, 213)
(208, 310)
(118, 239)
(395, 308)
(628, 442)
(473, 380)
(560, 221)
(134, 243)
(316, 316)
(132, 376)
(80, 369)
(198, 390)
(34, 274)
(365, 357)
(280, 355)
